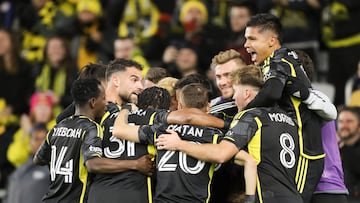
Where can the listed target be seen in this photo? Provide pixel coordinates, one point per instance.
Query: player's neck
(112, 97)
(84, 111)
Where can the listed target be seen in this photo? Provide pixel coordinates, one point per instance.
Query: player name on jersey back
(281, 118)
(67, 132)
(187, 130)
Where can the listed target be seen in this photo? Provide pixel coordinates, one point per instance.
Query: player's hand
(297, 88)
(169, 141)
(146, 164)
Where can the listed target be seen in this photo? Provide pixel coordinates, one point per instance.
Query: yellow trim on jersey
(151, 150)
(148, 182)
(254, 148)
(83, 174)
(259, 189)
(304, 175)
(301, 173)
(212, 169)
(296, 103)
(292, 69)
(107, 114)
(254, 145)
(152, 117)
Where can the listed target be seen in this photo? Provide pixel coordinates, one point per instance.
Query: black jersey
(271, 138)
(67, 147)
(228, 181)
(181, 178)
(277, 69)
(128, 186)
(281, 65)
(223, 108)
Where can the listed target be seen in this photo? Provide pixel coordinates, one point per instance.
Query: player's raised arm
(123, 130)
(194, 116)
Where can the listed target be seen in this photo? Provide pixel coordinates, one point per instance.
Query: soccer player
(73, 147)
(267, 133)
(228, 181)
(124, 83)
(180, 178)
(130, 186)
(223, 64)
(279, 64)
(331, 187)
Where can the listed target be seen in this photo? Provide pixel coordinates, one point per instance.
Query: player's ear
(208, 107)
(92, 102)
(115, 80)
(180, 106)
(273, 40)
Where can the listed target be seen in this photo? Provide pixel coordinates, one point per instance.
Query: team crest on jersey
(293, 54)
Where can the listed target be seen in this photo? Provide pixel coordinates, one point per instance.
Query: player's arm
(269, 94)
(105, 165)
(186, 116)
(242, 158)
(321, 105)
(193, 116)
(92, 155)
(42, 156)
(216, 153)
(314, 99)
(123, 130)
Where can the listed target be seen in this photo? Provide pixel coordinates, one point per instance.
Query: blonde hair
(225, 56)
(247, 75)
(168, 83)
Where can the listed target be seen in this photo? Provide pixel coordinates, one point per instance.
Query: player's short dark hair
(306, 62)
(194, 95)
(83, 90)
(266, 21)
(93, 70)
(195, 78)
(154, 97)
(121, 64)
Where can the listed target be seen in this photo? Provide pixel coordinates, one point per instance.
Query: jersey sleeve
(44, 152)
(275, 76)
(241, 131)
(92, 145)
(146, 134)
(161, 117)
